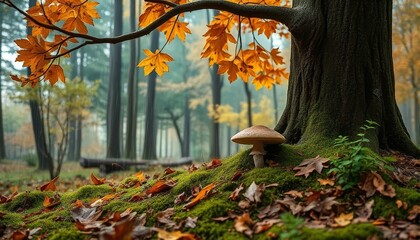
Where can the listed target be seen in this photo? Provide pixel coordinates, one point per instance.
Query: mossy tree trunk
(341, 74)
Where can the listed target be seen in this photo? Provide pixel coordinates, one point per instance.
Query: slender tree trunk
(149, 149)
(73, 122)
(2, 145)
(79, 125)
(248, 103)
(130, 147)
(187, 127)
(341, 74)
(114, 90)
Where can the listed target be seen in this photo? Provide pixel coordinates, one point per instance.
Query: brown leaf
(138, 197)
(85, 215)
(373, 182)
(141, 177)
(325, 182)
(243, 224)
(414, 212)
(20, 235)
(161, 186)
(181, 198)
(97, 181)
(236, 176)
(162, 234)
(191, 222)
(49, 186)
(343, 220)
(200, 196)
(253, 193)
(265, 225)
(6, 199)
(235, 194)
(50, 202)
(401, 204)
(294, 194)
(164, 217)
(2, 214)
(307, 166)
(168, 171)
(270, 211)
(192, 168)
(215, 162)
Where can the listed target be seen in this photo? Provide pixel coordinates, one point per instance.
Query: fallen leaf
(343, 220)
(270, 211)
(200, 196)
(215, 162)
(263, 226)
(50, 202)
(168, 171)
(161, 186)
(20, 235)
(401, 204)
(138, 197)
(192, 168)
(162, 234)
(294, 194)
(97, 181)
(243, 224)
(253, 193)
(307, 166)
(181, 198)
(164, 217)
(49, 186)
(414, 212)
(373, 182)
(191, 222)
(141, 177)
(325, 182)
(85, 215)
(6, 199)
(235, 194)
(236, 176)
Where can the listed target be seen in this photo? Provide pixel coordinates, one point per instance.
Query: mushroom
(258, 136)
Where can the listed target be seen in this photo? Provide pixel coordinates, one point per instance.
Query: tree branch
(283, 15)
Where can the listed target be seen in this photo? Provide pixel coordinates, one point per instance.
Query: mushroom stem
(258, 160)
(258, 154)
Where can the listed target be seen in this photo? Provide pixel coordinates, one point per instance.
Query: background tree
(355, 65)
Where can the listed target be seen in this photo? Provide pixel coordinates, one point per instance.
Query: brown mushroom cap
(258, 133)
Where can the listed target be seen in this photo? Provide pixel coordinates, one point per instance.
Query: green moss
(353, 231)
(26, 201)
(214, 230)
(387, 207)
(12, 220)
(68, 234)
(87, 193)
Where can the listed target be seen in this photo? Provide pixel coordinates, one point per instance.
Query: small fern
(354, 160)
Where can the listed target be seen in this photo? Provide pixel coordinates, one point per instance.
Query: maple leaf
(97, 181)
(54, 73)
(230, 67)
(49, 186)
(200, 196)
(152, 12)
(155, 61)
(325, 182)
(161, 186)
(215, 162)
(309, 165)
(174, 27)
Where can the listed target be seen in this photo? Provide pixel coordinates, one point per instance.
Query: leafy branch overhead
(57, 23)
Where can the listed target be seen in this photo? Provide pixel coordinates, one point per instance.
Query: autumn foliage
(55, 23)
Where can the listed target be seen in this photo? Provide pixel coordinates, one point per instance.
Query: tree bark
(131, 126)
(114, 90)
(79, 125)
(2, 145)
(73, 123)
(149, 149)
(341, 74)
(248, 103)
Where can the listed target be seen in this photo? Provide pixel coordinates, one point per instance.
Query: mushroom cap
(258, 134)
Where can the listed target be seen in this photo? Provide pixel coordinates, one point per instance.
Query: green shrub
(31, 159)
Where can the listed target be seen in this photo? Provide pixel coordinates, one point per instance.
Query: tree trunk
(114, 90)
(341, 74)
(79, 118)
(248, 103)
(73, 123)
(149, 150)
(130, 144)
(187, 127)
(2, 145)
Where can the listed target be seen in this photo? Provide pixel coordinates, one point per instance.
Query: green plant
(292, 226)
(354, 158)
(30, 159)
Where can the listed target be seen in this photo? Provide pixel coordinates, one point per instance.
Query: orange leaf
(213, 164)
(174, 27)
(97, 181)
(162, 234)
(325, 182)
(54, 73)
(155, 61)
(141, 177)
(344, 219)
(169, 170)
(49, 186)
(50, 202)
(161, 186)
(200, 196)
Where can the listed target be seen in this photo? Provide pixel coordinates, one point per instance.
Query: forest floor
(293, 197)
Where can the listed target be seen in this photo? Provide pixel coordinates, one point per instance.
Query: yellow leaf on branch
(155, 61)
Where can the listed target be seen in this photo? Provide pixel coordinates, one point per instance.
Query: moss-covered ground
(25, 211)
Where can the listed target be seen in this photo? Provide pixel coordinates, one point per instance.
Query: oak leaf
(49, 186)
(155, 61)
(307, 166)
